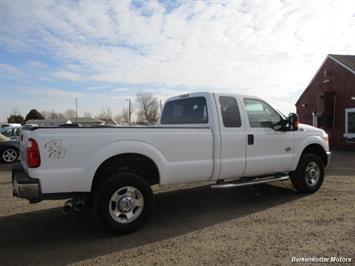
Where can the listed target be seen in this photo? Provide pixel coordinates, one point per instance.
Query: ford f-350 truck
(226, 139)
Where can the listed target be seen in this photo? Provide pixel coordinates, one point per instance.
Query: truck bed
(70, 156)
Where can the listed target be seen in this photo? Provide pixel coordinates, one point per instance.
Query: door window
(230, 111)
(260, 114)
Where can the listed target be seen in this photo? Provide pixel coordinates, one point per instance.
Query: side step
(248, 183)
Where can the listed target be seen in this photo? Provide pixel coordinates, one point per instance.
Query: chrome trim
(255, 182)
(328, 156)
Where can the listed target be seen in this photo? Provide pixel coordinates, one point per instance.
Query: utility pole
(129, 110)
(76, 109)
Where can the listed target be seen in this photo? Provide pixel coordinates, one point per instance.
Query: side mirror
(293, 121)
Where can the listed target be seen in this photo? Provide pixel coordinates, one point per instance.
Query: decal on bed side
(55, 149)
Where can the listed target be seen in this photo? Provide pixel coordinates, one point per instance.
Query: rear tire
(309, 175)
(122, 203)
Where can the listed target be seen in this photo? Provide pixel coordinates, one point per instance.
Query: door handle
(287, 149)
(250, 139)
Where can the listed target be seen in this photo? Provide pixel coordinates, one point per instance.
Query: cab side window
(260, 114)
(230, 111)
(185, 111)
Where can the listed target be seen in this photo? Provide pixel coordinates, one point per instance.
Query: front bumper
(328, 157)
(24, 186)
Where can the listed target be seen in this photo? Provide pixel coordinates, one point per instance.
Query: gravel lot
(266, 224)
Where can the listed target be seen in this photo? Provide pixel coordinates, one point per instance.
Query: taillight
(33, 156)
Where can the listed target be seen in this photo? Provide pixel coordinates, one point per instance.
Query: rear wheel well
(317, 150)
(129, 162)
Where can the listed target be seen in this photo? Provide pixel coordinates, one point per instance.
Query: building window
(350, 124)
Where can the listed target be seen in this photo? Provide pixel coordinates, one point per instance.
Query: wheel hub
(126, 204)
(9, 155)
(312, 174)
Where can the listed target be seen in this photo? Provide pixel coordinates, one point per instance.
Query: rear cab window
(185, 111)
(230, 111)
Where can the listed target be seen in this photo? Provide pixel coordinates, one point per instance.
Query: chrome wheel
(126, 204)
(312, 174)
(9, 155)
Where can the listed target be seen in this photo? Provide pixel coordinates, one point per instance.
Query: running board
(255, 182)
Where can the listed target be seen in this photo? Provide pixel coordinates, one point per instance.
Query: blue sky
(105, 52)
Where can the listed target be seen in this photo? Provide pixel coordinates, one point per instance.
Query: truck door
(233, 141)
(268, 151)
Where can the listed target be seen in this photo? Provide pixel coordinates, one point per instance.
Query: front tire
(123, 203)
(309, 175)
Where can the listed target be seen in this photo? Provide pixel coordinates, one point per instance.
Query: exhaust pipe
(68, 207)
(79, 205)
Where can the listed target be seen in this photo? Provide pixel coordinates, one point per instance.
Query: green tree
(34, 115)
(15, 118)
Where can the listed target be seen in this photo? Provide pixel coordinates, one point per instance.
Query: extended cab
(228, 140)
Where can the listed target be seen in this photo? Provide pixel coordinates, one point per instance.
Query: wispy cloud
(68, 75)
(121, 89)
(37, 64)
(9, 69)
(50, 92)
(97, 88)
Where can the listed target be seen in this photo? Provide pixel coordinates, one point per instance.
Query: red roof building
(328, 102)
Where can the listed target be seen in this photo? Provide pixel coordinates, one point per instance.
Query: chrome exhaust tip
(68, 207)
(79, 205)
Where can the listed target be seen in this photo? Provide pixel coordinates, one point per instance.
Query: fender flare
(311, 140)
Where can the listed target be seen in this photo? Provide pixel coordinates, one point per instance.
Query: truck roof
(204, 93)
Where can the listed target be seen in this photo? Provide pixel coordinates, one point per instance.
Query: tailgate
(23, 146)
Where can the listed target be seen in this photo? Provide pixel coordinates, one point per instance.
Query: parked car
(2, 125)
(232, 140)
(12, 132)
(9, 150)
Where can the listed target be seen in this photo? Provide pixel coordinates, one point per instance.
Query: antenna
(76, 109)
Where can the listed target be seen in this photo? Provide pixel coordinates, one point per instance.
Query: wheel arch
(318, 150)
(312, 144)
(127, 162)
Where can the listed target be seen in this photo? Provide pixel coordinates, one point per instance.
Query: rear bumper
(24, 186)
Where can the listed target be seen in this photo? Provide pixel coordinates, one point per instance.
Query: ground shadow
(41, 236)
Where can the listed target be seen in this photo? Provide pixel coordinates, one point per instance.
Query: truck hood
(309, 128)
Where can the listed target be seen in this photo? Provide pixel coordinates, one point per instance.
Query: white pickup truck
(230, 140)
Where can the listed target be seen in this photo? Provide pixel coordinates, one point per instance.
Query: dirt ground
(261, 225)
